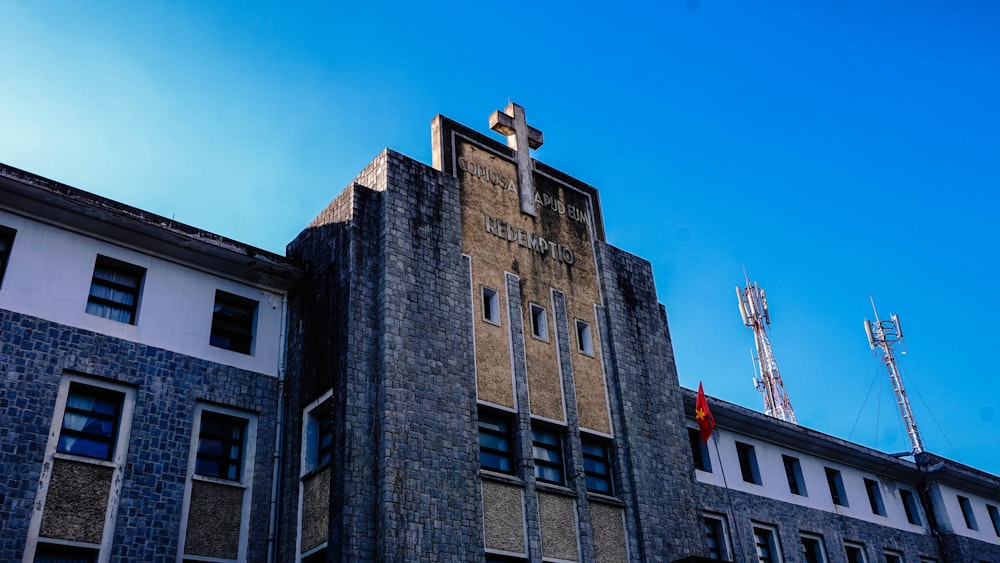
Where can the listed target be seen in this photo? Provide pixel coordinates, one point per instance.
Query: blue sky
(836, 151)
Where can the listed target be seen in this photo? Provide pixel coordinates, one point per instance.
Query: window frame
(232, 332)
(860, 550)
(109, 307)
(746, 454)
(556, 448)
(773, 544)
(491, 422)
(604, 457)
(78, 391)
(897, 556)
(317, 434)
(793, 473)
(965, 505)
(7, 235)
(910, 507)
(584, 338)
(699, 451)
(715, 526)
(538, 317)
(490, 302)
(874, 491)
(835, 482)
(994, 514)
(62, 552)
(226, 464)
(818, 543)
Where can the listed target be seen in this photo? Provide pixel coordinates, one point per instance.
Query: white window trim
(544, 325)
(309, 430)
(775, 540)
(584, 345)
(117, 462)
(245, 483)
(859, 546)
(495, 302)
(822, 544)
(725, 539)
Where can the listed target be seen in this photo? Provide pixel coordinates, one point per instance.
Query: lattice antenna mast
(753, 307)
(885, 335)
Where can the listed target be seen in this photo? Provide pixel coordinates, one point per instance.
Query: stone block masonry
(34, 355)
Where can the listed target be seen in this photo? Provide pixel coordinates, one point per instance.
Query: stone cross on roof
(520, 137)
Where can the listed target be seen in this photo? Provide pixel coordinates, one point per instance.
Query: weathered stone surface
(77, 501)
(213, 528)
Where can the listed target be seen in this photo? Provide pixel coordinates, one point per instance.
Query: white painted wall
(945, 499)
(49, 273)
(774, 484)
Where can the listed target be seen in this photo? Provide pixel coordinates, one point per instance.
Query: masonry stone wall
(651, 456)
(34, 355)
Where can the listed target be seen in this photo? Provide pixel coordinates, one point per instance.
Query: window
(715, 537)
(496, 451)
(699, 451)
(232, 322)
(220, 446)
(893, 556)
(855, 552)
(910, 506)
(748, 463)
(597, 465)
(994, 517)
(836, 483)
(491, 305)
(49, 553)
(812, 549)
(875, 497)
(539, 322)
(793, 472)
(6, 242)
(546, 443)
(767, 546)
(970, 518)
(90, 422)
(584, 339)
(318, 445)
(318, 556)
(114, 290)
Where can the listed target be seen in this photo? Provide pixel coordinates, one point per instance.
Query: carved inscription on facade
(501, 229)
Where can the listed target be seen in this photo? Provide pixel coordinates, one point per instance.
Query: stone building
(450, 364)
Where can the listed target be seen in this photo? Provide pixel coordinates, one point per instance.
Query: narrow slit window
(114, 290)
(496, 442)
(539, 322)
(699, 451)
(715, 537)
(748, 463)
(584, 338)
(836, 484)
(793, 472)
(766, 543)
(910, 507)
(6, 242)
(546, 443)
(994, 518)
(597, 465)
(812, 548)
(875, 497)
(491, 305)
(967, 514)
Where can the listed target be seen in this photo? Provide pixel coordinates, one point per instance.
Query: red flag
(706, 422)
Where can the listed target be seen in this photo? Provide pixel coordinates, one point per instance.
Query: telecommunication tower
(753, 307)
(884, 335)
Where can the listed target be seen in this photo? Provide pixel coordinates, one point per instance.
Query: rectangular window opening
(114, 290)
(6, 243)
(893, 556)
(584, 338)
(90, 422)
(812, 548)
(546, 443)
(221, 442)
(597, 465)
(491, 305)
(967, 514)
(793, 472)
(855, 552)
(496, 442)
(765, 540)
(319, 437)
(836, 484)
(51, 553)
(716, 539)
(875, 497)
(910, 506)
(539, 322)
(994, 518)
(233, 320)
(699, 451)
(748, 463)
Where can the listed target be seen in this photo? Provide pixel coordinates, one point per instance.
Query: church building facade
(450, 363)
